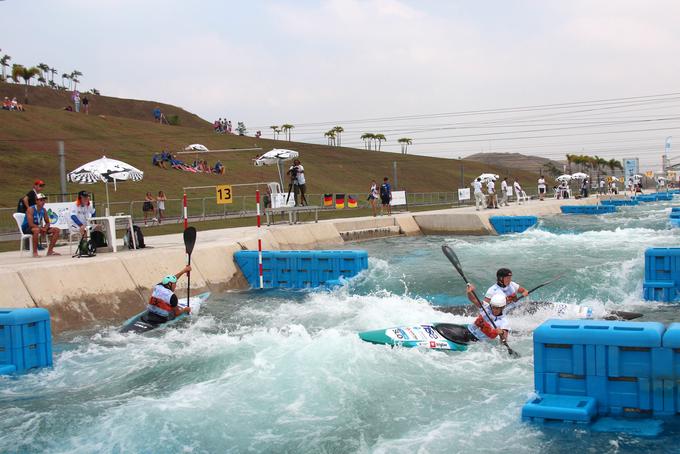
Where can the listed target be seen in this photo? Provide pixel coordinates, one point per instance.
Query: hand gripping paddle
(189, 242)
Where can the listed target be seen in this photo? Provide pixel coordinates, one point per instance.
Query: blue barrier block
(552, 407)
(300, 269)
(588, 209)
(25, 339)
(662, 266)
(512, 224)
(664, 291)
(675, 210)
(619, 202)
(661, 196)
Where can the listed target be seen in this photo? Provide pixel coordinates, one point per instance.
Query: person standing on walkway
(160, 205)
(519, 193)
(386, 196)
(504, 192)
(541, 188)
(147, 207)
(479, 195)
(491, 189)
(373, 195)
(602, 186)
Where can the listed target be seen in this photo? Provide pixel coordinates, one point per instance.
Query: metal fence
(206, 208)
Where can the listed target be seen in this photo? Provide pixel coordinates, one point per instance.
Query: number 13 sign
(223, 193)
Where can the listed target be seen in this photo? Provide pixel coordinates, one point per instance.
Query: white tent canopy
(488, 176)
(579, 176)
(277, 157)
(105, 170)
(564, 178)
(196, 147)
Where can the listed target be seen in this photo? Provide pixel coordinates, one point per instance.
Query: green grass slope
(28, 150)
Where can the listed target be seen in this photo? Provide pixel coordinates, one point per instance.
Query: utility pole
(462, 182)
(394, 168)
(62, 170)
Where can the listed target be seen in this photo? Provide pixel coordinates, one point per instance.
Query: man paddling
(163, 304)
(505, 285)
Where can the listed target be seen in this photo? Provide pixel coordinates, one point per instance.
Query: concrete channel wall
(109, 288)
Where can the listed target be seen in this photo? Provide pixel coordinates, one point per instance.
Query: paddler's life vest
(482, 328)
(159, 303)
(485, 327)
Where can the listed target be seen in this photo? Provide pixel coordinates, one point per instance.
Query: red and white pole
(184, 208)
(259, 237)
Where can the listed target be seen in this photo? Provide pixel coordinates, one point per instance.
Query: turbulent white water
(282, 371)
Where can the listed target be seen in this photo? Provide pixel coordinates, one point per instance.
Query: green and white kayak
(138, 324)
(436, 336)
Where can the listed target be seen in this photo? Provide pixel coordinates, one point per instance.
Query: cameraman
(297, 179)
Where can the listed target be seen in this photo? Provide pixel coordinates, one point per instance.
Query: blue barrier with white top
(620, 202)
(588, 209)
(512, 224)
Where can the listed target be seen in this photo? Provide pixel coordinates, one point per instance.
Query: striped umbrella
(105, 170)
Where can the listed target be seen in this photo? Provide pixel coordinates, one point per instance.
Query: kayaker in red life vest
(505, 285)
(163, 304)
(482, 328)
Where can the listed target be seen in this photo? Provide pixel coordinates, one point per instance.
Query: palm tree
(43, 72)
(21, 72)
(276, 131)
(380, 138)
(614, 164)
(367, 137)
(67, 77)
(338, 131)
(53, 71)
(405, 142)
(286, 130)
(570, 159)
(74, 76)
(4, 61)
(330, 135)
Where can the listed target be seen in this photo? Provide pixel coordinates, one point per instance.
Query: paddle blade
(453, 258)
(511, 352)
(189, 239)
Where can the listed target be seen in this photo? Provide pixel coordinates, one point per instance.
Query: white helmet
(498, 300)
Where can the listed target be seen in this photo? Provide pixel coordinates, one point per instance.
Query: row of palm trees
(334, 135)
(285, 129)
(594, 163)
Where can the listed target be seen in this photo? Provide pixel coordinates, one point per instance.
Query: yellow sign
(223, 193)
(649, 174)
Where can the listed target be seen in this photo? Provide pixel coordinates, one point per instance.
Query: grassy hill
(515, 161)
(28, 150)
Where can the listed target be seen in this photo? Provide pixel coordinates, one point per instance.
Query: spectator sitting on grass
(6, 104)
(156, 160)
(219, 168)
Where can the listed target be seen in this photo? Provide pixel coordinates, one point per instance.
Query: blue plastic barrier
(300, 269)
(512, 224)
(588, 209)
(618, 203)
(25, 340)
(646, 198)
(664, 196)
(662, 274)
(550, 407)
(675, 210)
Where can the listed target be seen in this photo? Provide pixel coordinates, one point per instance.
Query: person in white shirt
(505, 284)
(504, 192)
(519, 194)
(80, 214)
(480, 200)
(602, 187)
(541, 187)
(492, 202)
(614, 189)
(297, 174)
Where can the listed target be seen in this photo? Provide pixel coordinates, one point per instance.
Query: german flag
(351, 201)
(328, 200)
(339, 201)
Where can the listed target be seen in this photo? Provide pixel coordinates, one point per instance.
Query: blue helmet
(169, 279)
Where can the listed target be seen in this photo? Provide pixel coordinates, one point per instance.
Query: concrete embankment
(109, 288)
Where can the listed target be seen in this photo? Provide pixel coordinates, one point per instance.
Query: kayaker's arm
(471, 295)
(183, 271)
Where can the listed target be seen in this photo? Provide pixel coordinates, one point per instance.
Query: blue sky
(302, 62)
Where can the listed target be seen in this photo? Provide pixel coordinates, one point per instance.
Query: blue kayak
(138, 323)
(437, 336)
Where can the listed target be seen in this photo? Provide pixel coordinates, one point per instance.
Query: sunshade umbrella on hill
(277, 157)
(105, 170)
(488, 176)
(196, 147)
(579, 176)
(565, 177)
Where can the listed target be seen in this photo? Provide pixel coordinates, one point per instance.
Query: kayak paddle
(453, 258)
(541, 285)
(189, 242)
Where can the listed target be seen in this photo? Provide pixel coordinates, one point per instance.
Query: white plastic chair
(19, 217)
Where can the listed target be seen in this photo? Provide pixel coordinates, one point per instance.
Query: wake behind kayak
(140, 324)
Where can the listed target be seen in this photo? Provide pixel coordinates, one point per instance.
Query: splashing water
(284, 371)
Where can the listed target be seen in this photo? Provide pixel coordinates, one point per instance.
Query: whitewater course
(279, 371)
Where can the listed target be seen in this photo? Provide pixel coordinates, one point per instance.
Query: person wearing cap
(490, 315)
(163, 305)
(480, 198)
(30, 197)
(80, 214)
(505, 285)
(37, 222)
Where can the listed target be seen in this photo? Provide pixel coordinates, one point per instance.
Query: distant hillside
(99, 105)
(28, 150)
(515, 161)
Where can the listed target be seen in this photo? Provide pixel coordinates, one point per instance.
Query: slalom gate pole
(259, 237)
(184, 209)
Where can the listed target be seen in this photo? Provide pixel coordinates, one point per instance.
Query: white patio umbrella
(196, 147)
(488, 176)
(579, 176)
(105, 170)
(615, 179)
(277, 157)
(565, 177)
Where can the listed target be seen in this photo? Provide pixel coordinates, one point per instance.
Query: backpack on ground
(86, 248)
(98, 238)
(139, 238)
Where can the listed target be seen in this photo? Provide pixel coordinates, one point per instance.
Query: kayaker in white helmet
(490, 314)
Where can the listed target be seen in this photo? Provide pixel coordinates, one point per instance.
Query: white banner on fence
(58, 214)
(398, 198)
(464, 194)
(279, 200)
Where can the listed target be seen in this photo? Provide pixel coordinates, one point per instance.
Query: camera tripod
(303, 199)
